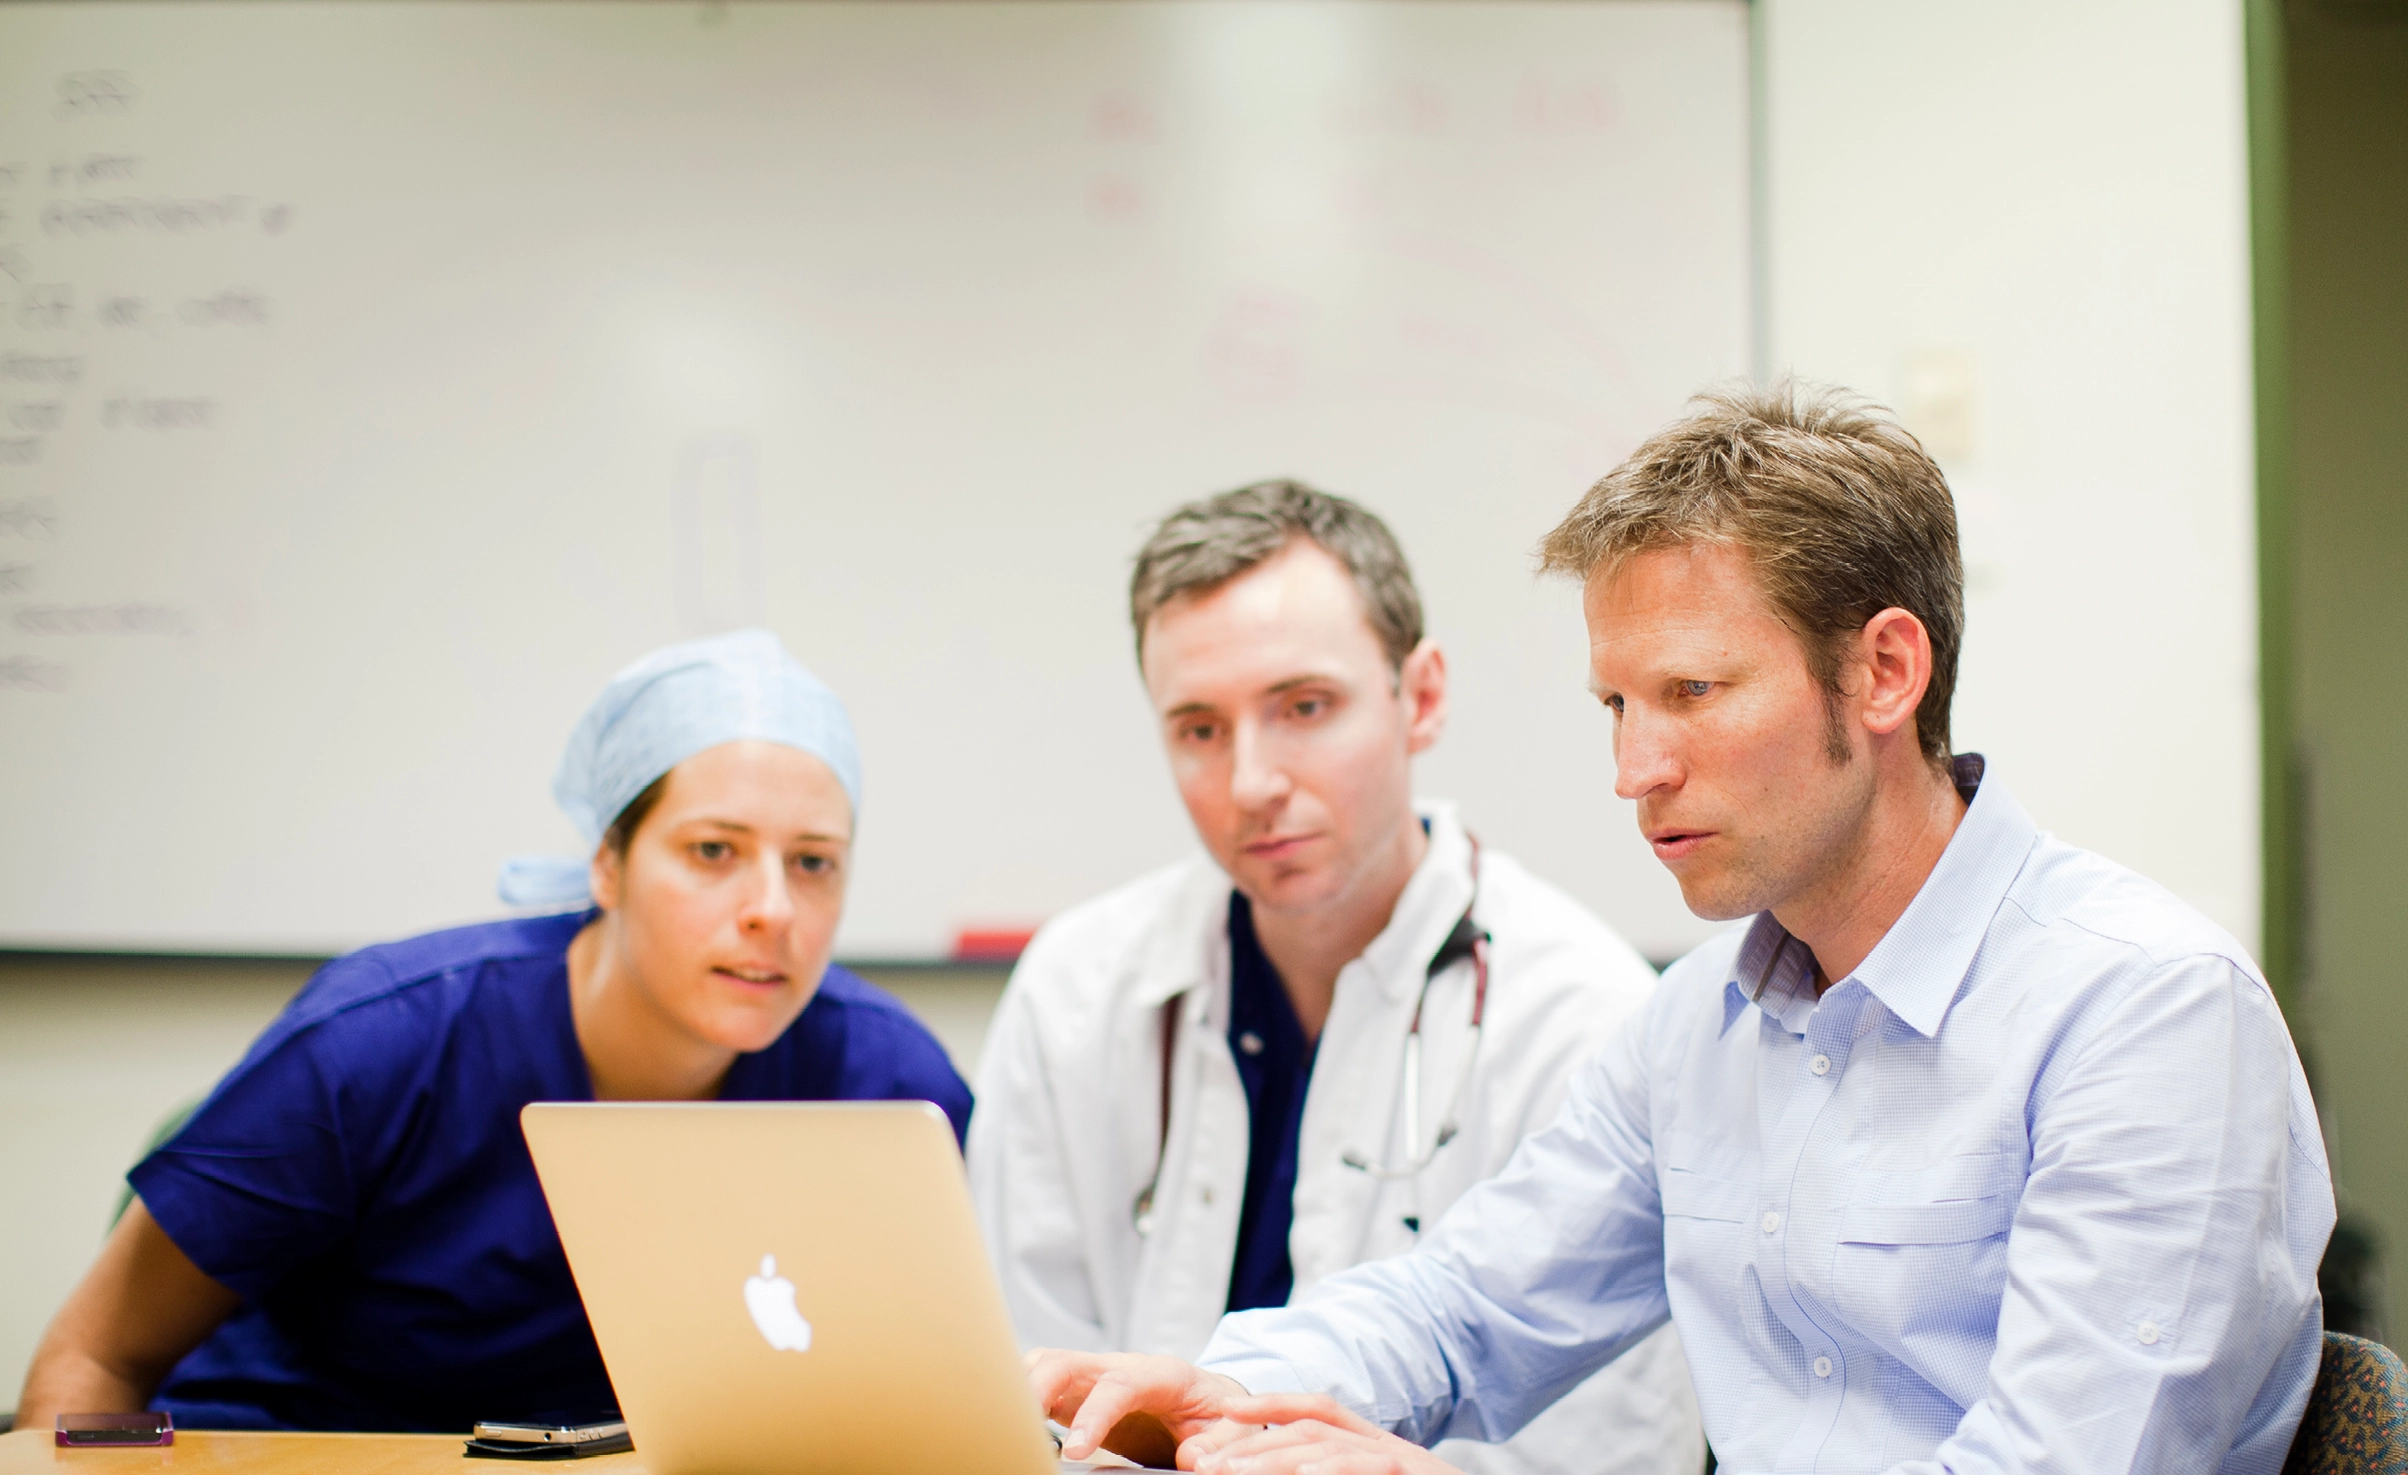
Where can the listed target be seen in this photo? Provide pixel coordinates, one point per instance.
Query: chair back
(2357, 1419)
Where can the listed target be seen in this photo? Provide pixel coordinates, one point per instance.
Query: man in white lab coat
(1231, 1078)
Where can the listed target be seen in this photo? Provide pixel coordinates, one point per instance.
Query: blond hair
(1835, 505)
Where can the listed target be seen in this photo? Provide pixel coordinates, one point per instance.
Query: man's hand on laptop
(1159, 1411)
(1142, 1408)
(1303, 1434)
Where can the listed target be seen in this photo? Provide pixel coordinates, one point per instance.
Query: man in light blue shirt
(1972, 1151)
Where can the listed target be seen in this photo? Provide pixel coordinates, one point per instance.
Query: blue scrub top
(1275, 1064)
(361, 1181)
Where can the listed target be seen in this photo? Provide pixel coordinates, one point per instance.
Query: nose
(1644, 756)
(1256, 778)
(768, 906)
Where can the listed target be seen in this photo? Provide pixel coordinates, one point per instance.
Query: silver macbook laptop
(789, 1288)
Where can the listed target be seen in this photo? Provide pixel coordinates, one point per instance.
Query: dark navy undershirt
(1275, 1062)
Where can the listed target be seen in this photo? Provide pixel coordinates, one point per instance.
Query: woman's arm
(139, 1309)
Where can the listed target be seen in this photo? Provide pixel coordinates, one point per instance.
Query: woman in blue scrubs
(349, 1234)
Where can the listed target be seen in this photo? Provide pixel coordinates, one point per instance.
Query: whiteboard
(378, 378)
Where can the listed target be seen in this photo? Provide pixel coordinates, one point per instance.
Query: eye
(1615, 703)
(1310, 706)
(814, 864)
(1196, 732)
(1696, 688)
(713, 850)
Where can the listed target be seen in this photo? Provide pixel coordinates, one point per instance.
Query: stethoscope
(1467, 939)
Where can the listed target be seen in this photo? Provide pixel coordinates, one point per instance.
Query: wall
(93, 1053)
(2348, 241)
(2026, 227)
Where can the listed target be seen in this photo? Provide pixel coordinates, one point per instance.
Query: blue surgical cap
(664, 709)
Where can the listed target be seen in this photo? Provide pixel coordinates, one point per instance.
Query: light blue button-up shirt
(2037, 1187)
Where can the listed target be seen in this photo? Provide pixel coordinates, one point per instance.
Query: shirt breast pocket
(1702, 1217)
(1925, 1251)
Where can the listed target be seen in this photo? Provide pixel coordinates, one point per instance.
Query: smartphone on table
(500, 1440)
(82, 1431)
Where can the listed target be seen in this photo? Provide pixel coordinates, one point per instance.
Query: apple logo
(769, 1296)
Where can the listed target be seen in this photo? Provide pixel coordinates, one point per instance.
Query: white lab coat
(1068, 1125)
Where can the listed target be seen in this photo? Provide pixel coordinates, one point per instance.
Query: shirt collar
(1189, 945)
(1439, 893)
(1773, 972)
(1917, 966)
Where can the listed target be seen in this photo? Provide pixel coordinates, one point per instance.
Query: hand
(1302, 1434)
(1141, 1408)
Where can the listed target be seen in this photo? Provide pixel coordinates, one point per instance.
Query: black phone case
(496, 1449)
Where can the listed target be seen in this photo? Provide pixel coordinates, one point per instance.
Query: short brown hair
(1205, 544)
(1835, 504)
(631, 819)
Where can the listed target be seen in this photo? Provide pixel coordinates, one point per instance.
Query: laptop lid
(788, 1288)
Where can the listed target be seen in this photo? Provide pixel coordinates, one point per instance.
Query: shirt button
(1820, 1065)
(1250, 1042)
(1772, 1222)
(2147, 1332)
(1205, 1193)
(1822, 1367)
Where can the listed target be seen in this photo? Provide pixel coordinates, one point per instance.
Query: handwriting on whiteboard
(97, 244)
(95, 94)
(101, 619)
(27, 673)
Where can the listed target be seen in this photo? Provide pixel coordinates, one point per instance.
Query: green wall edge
(2281, 870)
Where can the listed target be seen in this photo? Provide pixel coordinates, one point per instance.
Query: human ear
(1895, 651)
(602, 876)
(1421, 686)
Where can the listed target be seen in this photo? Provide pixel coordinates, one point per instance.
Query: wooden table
(203, 1450)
